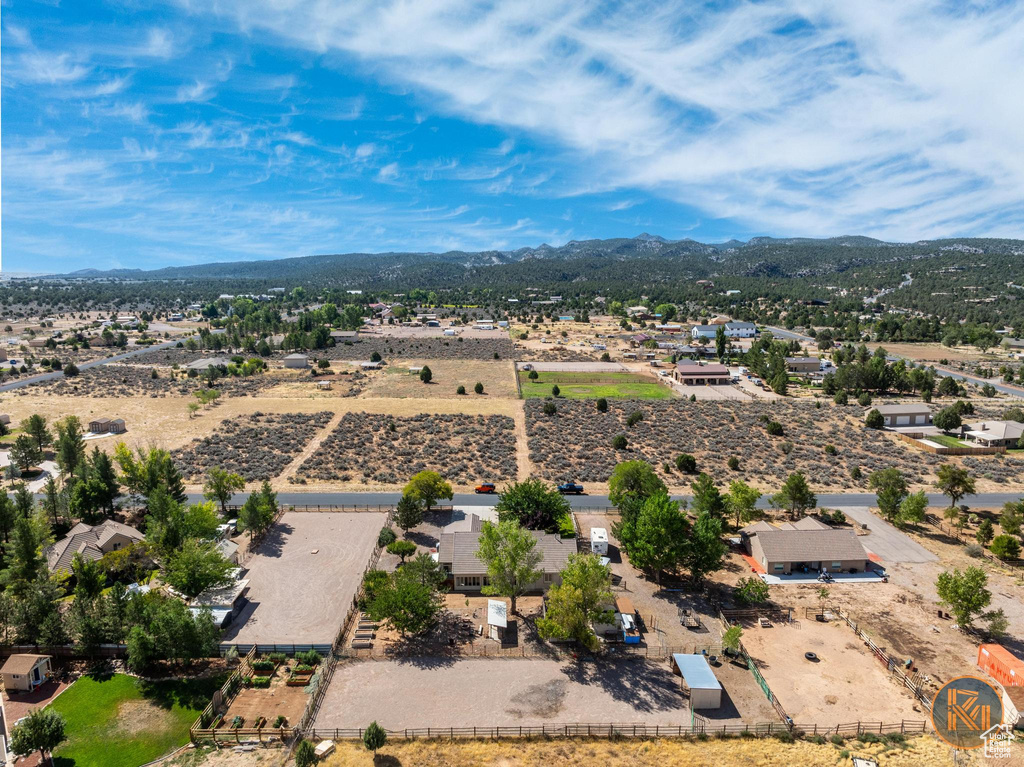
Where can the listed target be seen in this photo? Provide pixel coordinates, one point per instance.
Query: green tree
(259, 510)
(707, 497)
(965, 593)
(874, 419)
(36, 428)
(374, 737)
(533, 505)
(1005, 547)
(408, 513)
(891, 490)
(70, 445)
(721, 342)
(912, 510)
(402, 549)
(405, 603)
(23, 555)
(1012, 518)
(686, 463)
(146, 470)
(197, 566)
(751, 591)
(510, 553)
(731, 638)
(305, 754)
(659, 541)
(42, 730)
(427, 487)
(705, 549)
(985, 532)
(478, 388)
(25, 453)
(578, 601)
(795, 496)
(954, 482)
(633, 480)
(742, 501)
(89, 577)
(221, 486)
(947, 419)
(425, 374)
(104, 476)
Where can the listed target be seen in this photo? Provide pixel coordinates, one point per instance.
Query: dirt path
(311, 448)
(525, 466)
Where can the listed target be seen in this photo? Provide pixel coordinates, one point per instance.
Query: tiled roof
(810, 545)
(87, 540)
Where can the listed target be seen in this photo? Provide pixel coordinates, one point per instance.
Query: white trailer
(599, 540)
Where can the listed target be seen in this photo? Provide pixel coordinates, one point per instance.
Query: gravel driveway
(885, 540)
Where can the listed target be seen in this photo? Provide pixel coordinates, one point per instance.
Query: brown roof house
(804, 545)
(24, 672)
(691, 372)
(903, 415)
(456, 553)
(995, 433)
(91, 541)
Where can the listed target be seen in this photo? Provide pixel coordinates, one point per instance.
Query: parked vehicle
(599, 540)
(486, 487)
(570, 488)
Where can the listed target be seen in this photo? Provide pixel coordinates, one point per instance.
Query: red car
(486, 487)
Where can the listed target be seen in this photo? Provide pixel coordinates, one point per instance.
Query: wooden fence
(960, 537)
(726, 620)
(380, 508)
(917, 442)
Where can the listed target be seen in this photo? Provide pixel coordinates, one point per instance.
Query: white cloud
(365, 150)
(197, 92)
(388, 173)
(898, 119)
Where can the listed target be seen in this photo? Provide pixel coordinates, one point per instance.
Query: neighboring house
(669, 328)
(299, 361)
(732, 330)
(903, 415)
(806, 544)
(694, 373)
(994, 433)
(323, 385)
(803, 365)
(91, 541)
(372, 365)
(456, 553)
(344, 335)
(24, 672)
(203, 363)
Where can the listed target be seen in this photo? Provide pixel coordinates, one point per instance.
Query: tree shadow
(274, 541)
(645, 686)
(422, 539)
(386, 760)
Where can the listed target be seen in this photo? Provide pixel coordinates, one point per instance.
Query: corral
(845, 684)
(303, 576)
(404, 693)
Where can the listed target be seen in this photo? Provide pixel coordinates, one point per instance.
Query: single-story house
(107, 426)
(224, 602)
(731, 329)
(699, 678)
(299, 361)
(903, 415)
(806, 544)
(669, 328)
(91, 541)
(456, 553)
(344, 335)
(24, 672)
(692, 372)
(802, 365)
(203, 363)
(994, 433)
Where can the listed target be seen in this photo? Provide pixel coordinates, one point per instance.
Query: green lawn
(947, 441)
(593, 385)
(120, 721)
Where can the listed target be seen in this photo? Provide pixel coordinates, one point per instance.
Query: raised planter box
(299, 680)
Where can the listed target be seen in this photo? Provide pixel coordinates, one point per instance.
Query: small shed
(497, 619)
(705, 689)
(117, 426)
(300, 361)
(24, 672)
(99, 426)
(323, 385)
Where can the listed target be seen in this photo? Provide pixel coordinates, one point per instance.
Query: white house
(732, 330)
(299, 361)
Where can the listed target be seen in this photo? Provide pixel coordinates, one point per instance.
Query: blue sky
(142, 134)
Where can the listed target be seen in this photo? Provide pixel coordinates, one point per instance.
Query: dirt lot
(494, 692)
(296, 595)
(395, 380)
(277, 700)
(846, 685)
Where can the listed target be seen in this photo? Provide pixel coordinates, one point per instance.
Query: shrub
(830, 449)
(534, 375)
(841, 397)
(784, 737)
(864, 399)
(303, 668)
(868, 737)
(1005, 547)
(385, 537)
(550, 408)
(479, 388)
(263, 665)
(837, 740)
(686, 463)
(305, 754)
(602, 405)
(734, 463)
(278, 657)
(787, 447)
(280, 721)
(619, 442)
(874, 420)
(634, 418)
(70, 370)
(555, 391)
(259, 681)
(460, 390)
(774, 428)
(975, 550)
(309, 657)
(855, 473)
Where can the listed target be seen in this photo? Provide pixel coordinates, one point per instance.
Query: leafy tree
(948, 387)
(374, 737)
(408, 513)
(705, 549)
(197, 566)
(25, 453)
(36, 428)
(721, 342)
(533, 505)
(259, 510)
(1012, 517)
(874, 420)
(89, 577)
(1005, 547)
(985, 532)
(731, 638)
(510, 553)
(405, 603)
(912, 510)
(954, 482)
(795, 496)
(42, 730)
(425, 374)
(741, 501)
(947, 419)
(891, 489)
(751, 591)
(221, 485)
(427, 487)
(305, 754)
(707, 497)
(578, 601)
(402, 549)
(659, 540)
(965, 593)
(143, 472)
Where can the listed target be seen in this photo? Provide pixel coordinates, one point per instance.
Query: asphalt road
(85, 366)
(861, 500)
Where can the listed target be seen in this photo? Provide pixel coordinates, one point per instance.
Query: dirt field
(395, 380)
(500, 692)
(296, 595)
(846, 685)
(277, 700)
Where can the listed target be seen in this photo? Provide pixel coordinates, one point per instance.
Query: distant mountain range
(645, 254)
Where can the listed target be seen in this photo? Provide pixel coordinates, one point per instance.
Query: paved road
(85, 366)
(885, 540)
(843, 500)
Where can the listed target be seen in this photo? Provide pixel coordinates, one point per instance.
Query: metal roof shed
(705, 689)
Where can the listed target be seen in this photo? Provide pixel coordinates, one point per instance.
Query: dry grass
(925, 751)
(395, 380)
